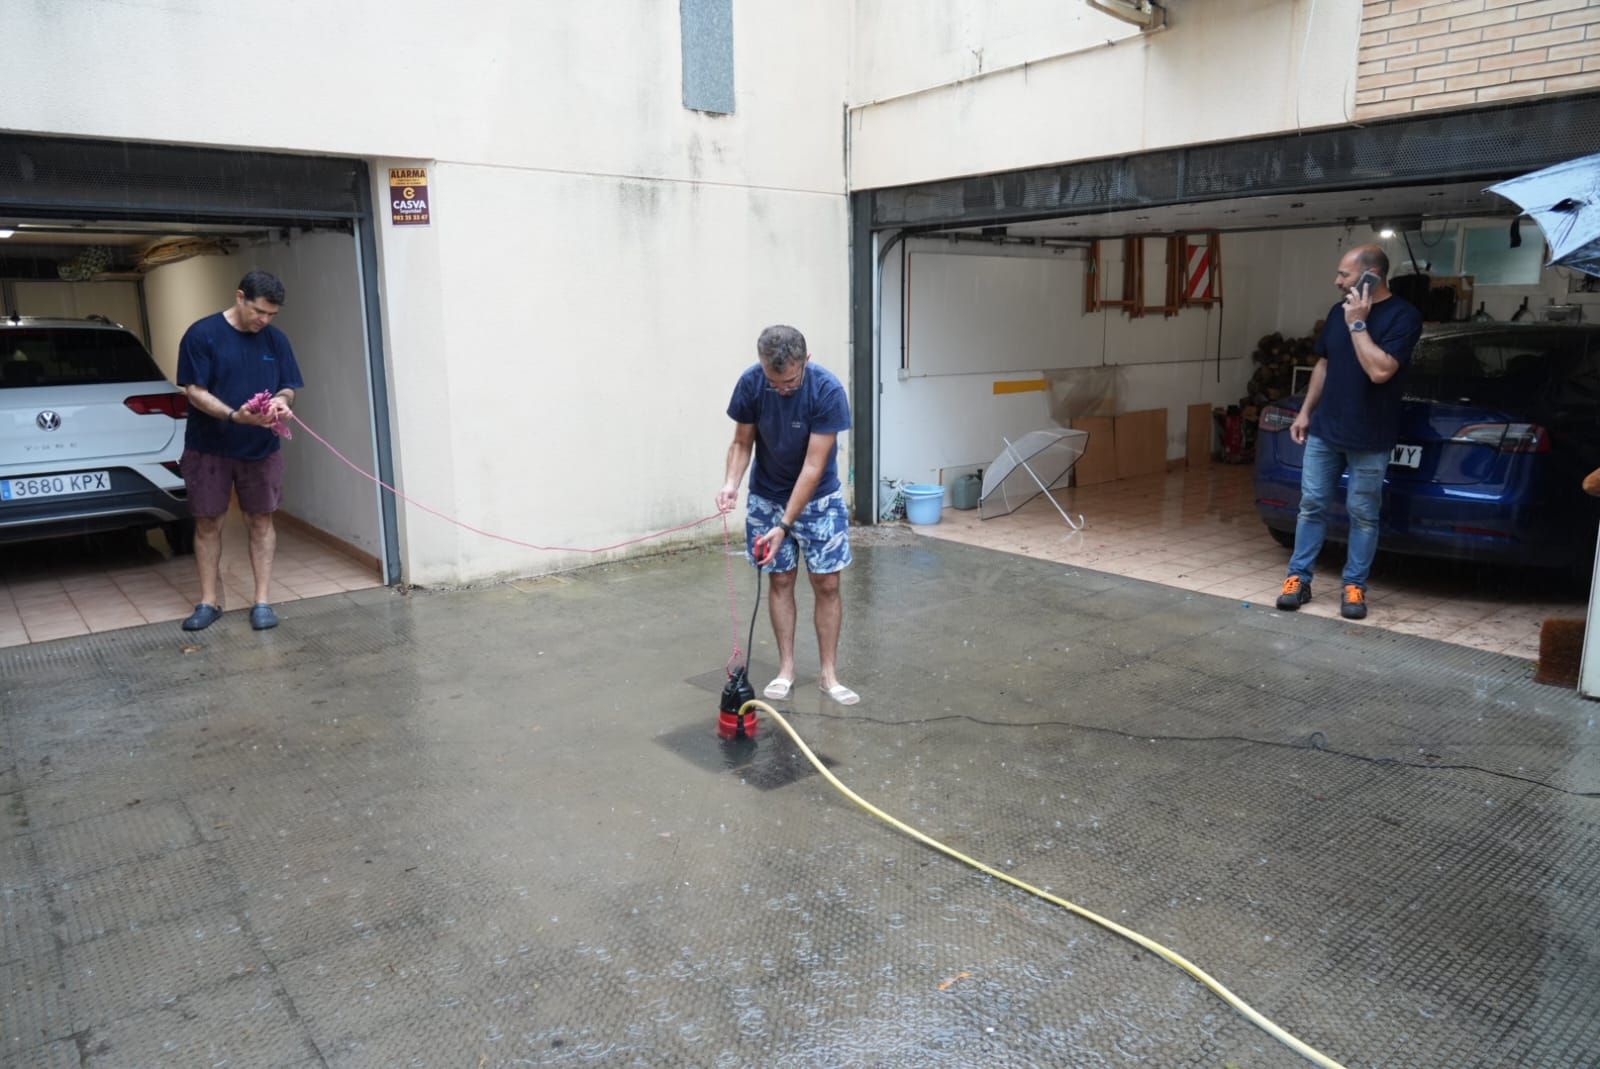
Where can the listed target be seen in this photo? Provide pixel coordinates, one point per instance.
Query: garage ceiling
(31, 237)
(35, 250)
(115, 234)
(1359, 208)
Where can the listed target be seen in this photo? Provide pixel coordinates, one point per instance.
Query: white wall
(953, 419)
(575, 87)
(415, 301)
(117, 301)
(1308, 260)
(1224, 69)
(588, 373)
(178, 294)
(902, 46)
(561, 341)
(322, 317)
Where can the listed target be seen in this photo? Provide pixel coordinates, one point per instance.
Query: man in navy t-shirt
(1350, 419)
(789, 412)
(223, 361)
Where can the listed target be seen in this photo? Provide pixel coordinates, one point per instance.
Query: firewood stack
(1276, 358)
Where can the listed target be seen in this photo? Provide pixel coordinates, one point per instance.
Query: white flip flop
(779, 689)
(840, 693)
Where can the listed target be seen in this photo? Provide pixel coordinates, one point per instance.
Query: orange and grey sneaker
(1353, 606)
(1296, 592)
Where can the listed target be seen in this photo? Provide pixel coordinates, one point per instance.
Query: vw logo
(48, 421)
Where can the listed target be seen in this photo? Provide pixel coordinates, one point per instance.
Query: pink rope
(733, 598)
(517, 541)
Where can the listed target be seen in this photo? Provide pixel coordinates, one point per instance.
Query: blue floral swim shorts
(823, 532)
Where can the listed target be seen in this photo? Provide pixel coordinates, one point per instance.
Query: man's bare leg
(780, 606)
(263, 547)
(208, 558)
(830, 620)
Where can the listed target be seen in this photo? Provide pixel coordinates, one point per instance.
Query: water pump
(731, 723)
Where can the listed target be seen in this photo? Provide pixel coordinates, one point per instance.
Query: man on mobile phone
(1349, 420)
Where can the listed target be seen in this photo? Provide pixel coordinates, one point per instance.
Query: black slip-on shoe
(203, 617)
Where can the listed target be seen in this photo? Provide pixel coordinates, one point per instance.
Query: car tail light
(1276, 418)
(1506, 437)
(175, 405)
(172, 466)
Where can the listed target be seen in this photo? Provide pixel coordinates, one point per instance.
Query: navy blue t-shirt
(1355, 413)
(235, 366)
(784, 426)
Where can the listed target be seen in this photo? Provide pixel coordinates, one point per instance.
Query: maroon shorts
(211, 479)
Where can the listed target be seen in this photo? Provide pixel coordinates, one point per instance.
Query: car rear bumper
(132, 501)
(1454, 526)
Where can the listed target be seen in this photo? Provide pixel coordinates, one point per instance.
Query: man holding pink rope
(225, 361)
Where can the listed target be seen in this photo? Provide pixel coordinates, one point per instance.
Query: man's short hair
(259, 285)
(1372, 258)
(779, 346)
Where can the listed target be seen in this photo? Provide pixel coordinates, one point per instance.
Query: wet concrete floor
(494, 828)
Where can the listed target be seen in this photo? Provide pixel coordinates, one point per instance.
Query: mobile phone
(1367, 282)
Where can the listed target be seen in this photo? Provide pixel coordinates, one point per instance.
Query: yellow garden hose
(1306, 1051)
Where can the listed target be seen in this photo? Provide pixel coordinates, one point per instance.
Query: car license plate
(77, 482)
(1406, 456)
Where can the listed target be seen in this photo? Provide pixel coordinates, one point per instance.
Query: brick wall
(1422, 54)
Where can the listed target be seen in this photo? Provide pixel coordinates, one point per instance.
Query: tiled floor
(1198, 530)
(74, 586)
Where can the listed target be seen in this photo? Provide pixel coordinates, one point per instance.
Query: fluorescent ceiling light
(6, 233)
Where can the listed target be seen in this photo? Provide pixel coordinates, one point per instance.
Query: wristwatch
(1358, 326)
(787, 529)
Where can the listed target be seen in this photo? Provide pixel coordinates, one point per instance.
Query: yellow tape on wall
(1021, 386)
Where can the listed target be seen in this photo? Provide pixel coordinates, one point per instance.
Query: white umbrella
(1030, 466)
(1565, 201)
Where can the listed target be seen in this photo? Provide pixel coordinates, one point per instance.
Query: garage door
(89, 182)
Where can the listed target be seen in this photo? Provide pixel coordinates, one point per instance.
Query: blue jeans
(1319, 480)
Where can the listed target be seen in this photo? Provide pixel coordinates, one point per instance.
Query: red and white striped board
(1197, 273)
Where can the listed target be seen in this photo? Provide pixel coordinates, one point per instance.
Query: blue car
(1501, 422)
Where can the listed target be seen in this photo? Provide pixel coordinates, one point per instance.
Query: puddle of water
(766, 763)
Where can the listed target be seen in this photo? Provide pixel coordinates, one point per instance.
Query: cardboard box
(1099, 461)
(1141, 443)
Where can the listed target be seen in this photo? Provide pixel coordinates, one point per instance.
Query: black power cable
(750, 639)
(1316, 741)
(738, 690)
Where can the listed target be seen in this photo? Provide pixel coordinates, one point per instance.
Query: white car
(90, 433)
